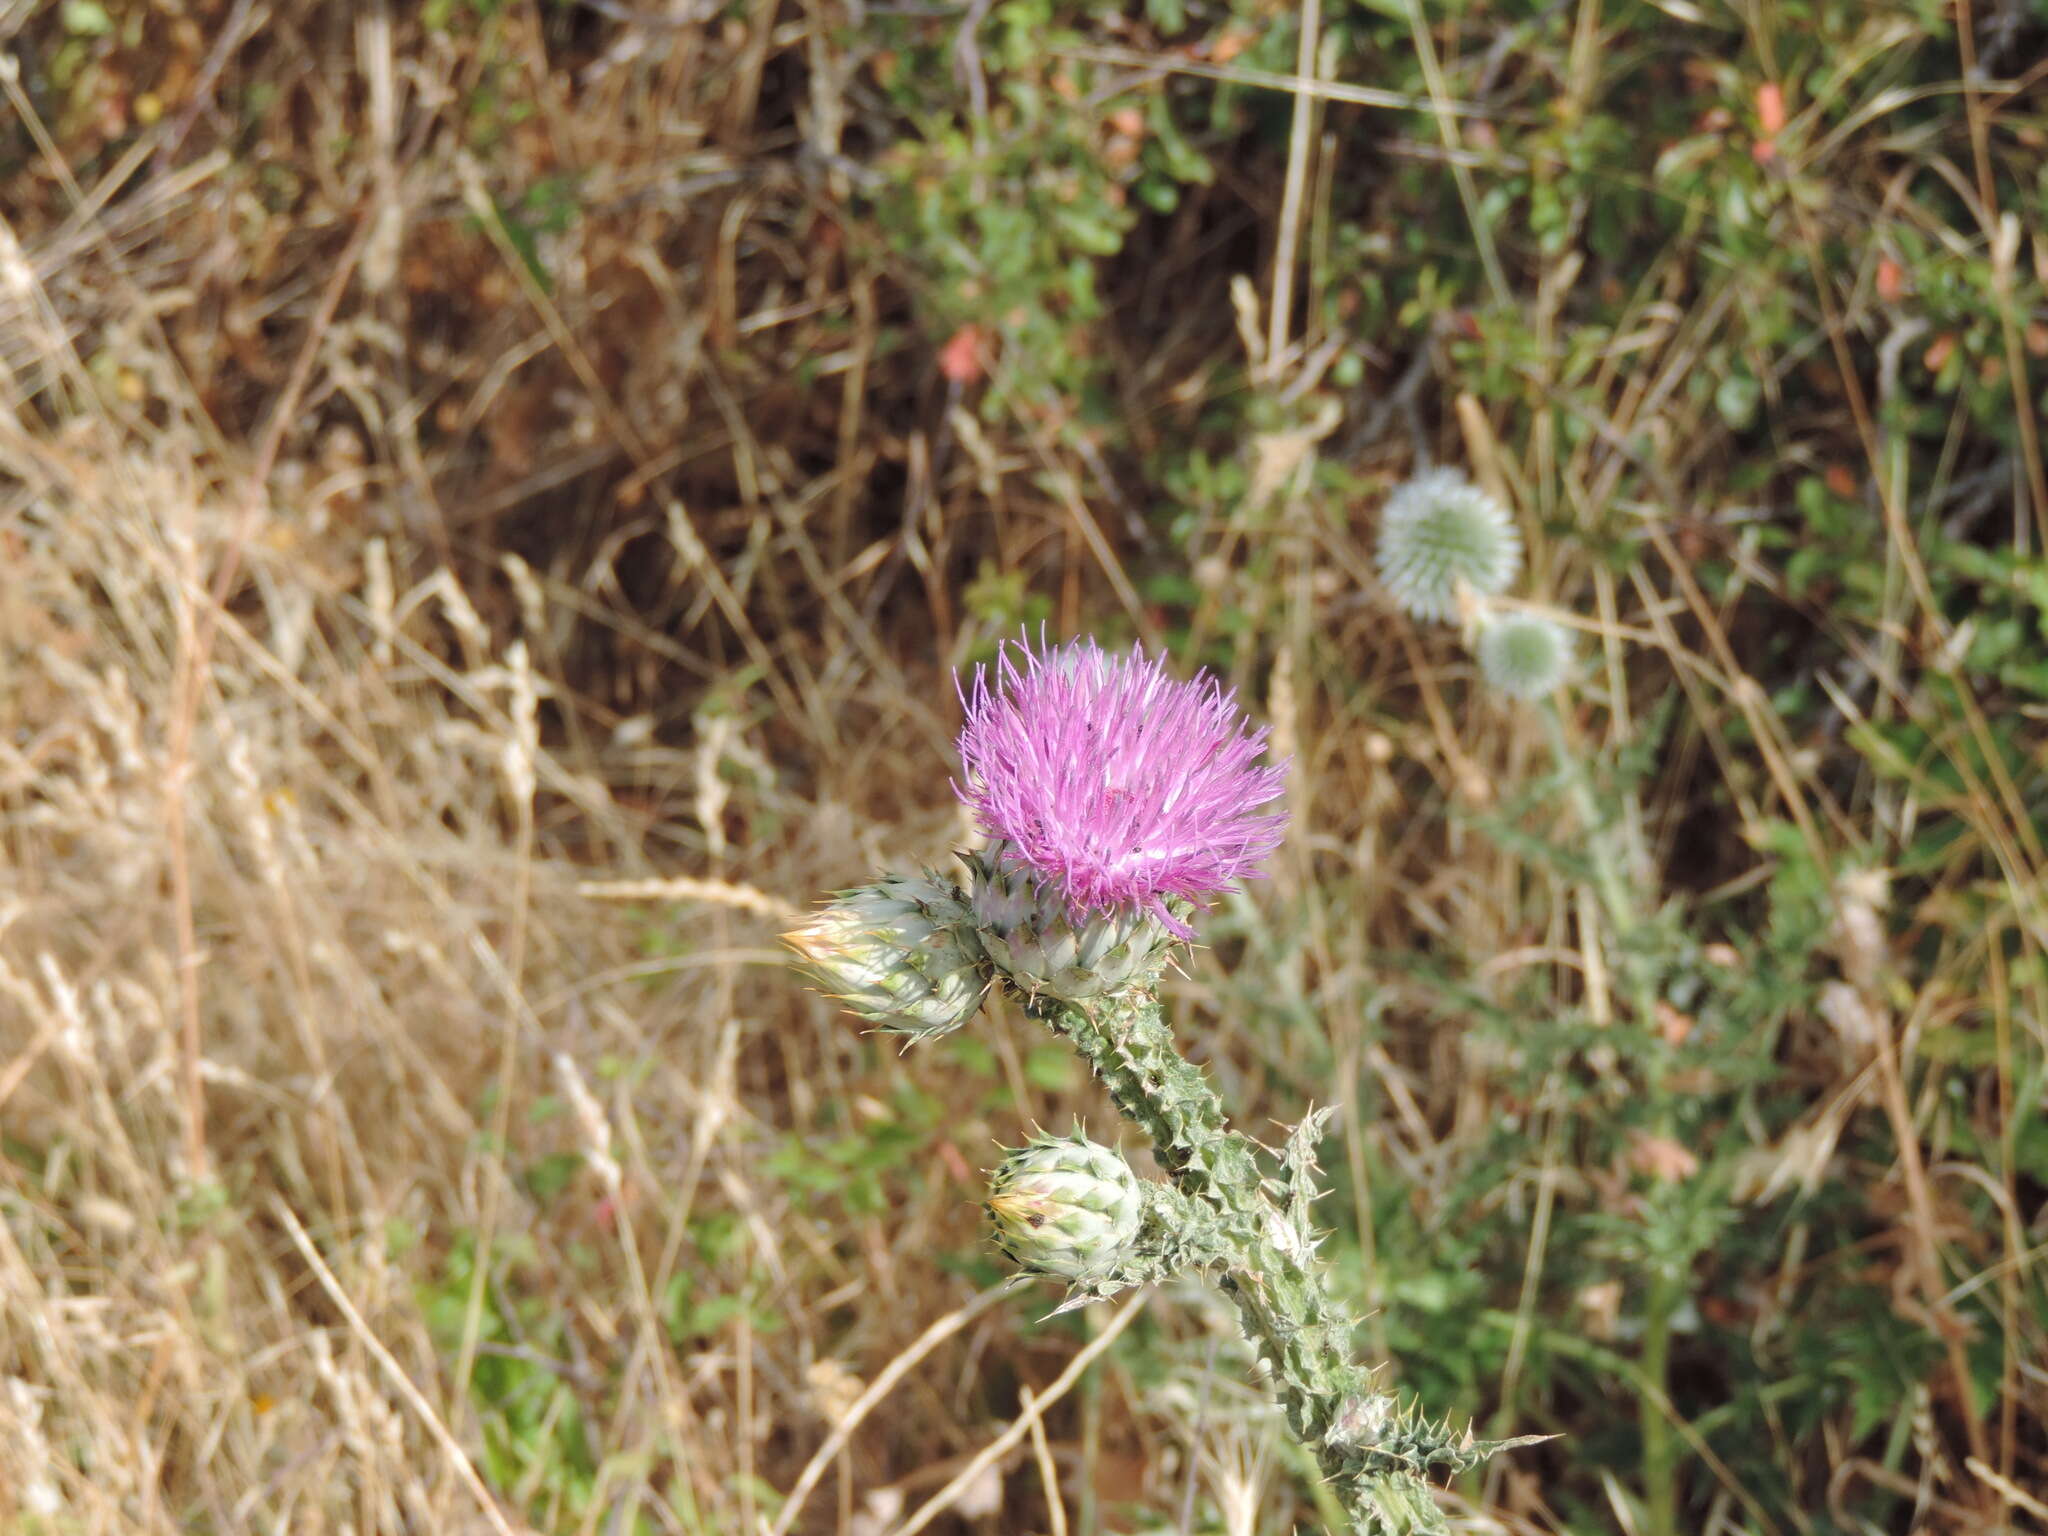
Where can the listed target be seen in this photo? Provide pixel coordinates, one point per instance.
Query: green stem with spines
(1614, 885)
(1660, 1450)
(1369, 1448)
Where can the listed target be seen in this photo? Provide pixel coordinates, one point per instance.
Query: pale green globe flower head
(1524, 655)
(1438, 532)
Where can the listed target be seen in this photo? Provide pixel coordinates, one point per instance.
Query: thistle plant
(1117, 802)
(1448, 550)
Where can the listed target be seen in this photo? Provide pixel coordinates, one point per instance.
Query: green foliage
(85, 18)
(862, 1171)
(548, 207)
(1697, 1182)
(522, 1384)
(1223, 1213)
(1002, 206)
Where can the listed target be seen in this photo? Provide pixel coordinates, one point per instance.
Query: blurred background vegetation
(492, 492)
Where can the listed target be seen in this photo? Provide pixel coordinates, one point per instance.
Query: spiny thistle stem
(1370, 1449)
(1613, 883)
(1607, 873)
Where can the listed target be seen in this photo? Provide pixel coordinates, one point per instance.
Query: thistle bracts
(1270, 1272)
(901, 953)
(1037, 939)
(1066, 1207)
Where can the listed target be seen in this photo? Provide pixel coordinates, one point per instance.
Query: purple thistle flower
(1113, 782)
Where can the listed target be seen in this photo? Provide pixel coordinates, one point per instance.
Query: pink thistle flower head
(1113, 783)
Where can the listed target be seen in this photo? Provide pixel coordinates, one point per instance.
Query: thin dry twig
(458, 1459)
(719, 893)
(1048, 1474)
(884, 1383)
(1004, 1443)
(1301, 133)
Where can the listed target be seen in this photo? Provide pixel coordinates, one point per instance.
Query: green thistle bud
(1065, 1206)
(1524, 655)
(1033, 939)
(900, 953)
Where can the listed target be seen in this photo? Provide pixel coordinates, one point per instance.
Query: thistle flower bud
(1065, 1206)
(1524, 655)
(900, 953)
(1033, 936)
(1439, 531)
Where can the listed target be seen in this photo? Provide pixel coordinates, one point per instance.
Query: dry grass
(301, 797)
(424, 690)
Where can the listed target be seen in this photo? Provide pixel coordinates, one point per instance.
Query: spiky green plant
(1117, 799)
(1065, 1206)
(1035, 938)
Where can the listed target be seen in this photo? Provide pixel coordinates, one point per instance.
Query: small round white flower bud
(1524, 655)
(1439, 531)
